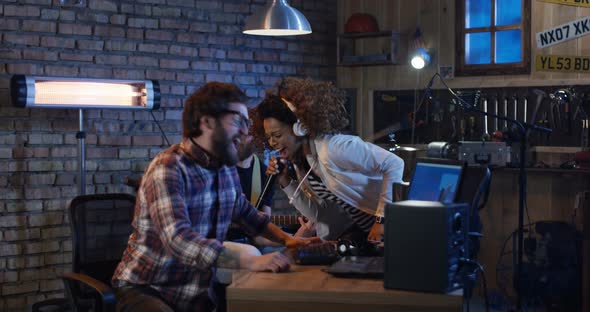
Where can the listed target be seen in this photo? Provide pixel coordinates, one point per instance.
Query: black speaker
(423, 243)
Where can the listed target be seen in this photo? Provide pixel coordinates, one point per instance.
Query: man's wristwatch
(379, 219)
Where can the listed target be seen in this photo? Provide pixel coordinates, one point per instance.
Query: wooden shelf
(542, 170)
(367, 35)
(369, 49)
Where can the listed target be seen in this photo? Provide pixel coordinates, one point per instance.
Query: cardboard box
(553, 156)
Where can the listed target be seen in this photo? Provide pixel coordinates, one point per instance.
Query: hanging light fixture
(277, 19)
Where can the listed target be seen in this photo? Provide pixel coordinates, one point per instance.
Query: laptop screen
(436, 180)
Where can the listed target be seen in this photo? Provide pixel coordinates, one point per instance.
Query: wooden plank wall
(436, 19)
(551, 195)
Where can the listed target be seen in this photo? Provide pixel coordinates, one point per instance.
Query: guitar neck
(282, 220)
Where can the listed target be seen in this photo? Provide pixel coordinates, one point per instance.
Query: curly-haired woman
(339, 182)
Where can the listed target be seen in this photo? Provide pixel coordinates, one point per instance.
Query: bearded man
(188, 196)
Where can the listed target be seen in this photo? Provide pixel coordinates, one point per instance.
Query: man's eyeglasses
(241, 121)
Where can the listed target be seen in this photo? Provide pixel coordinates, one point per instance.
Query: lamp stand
(81, 136)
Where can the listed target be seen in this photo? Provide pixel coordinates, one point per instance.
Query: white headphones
(299, 128)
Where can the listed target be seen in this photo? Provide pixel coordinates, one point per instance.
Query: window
(493, 37)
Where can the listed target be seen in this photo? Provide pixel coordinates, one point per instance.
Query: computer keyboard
(316, 254)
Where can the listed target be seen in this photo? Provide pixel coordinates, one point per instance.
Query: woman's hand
(307, 228)
(293, 242)
(278, 166)
(376, 234)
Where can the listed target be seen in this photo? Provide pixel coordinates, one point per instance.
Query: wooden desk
(307, 288)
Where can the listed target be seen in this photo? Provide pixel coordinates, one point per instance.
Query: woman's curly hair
(319, 104)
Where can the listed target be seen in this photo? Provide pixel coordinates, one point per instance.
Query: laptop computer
(356, 266)
(436, 179)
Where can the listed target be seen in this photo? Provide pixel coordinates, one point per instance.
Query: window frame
(524, 67)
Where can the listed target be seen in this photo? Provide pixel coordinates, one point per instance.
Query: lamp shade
(58, 92)
(277, 19)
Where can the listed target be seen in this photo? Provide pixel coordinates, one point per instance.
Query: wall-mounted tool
(525, 104)
(540, 96)
(477, 99)
(497, 113)
(582, 158)
(453, 128)
(554, 113)
(580, 114)
(486, 135)
(515, 106)
(472, 128)
(496, 131)
(566, 99)
(562, 102)
(585, 134)
(462, 129)
(505, 111)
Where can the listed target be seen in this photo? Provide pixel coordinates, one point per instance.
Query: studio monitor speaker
(423, 243)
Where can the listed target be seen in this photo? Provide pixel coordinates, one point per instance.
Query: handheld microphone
(270, 181)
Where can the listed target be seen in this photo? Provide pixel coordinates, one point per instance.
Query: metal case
(483, 152)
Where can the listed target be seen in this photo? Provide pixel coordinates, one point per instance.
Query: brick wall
(181, 43)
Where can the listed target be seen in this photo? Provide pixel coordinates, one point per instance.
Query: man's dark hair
(212, 99)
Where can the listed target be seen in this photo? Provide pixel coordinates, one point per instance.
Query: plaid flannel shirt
(184, 206)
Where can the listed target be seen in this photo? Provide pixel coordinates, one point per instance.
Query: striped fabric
(362, 219)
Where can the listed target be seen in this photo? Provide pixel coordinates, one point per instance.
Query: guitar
(287, 223)
(285, 220)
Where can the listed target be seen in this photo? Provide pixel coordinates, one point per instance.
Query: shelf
(375, 48)
(367, 35)
(543, 170)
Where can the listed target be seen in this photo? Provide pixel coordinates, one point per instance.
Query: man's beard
(223, 147)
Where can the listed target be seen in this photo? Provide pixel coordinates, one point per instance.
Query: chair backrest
(475, 187)
(474, 191)
(101, 225)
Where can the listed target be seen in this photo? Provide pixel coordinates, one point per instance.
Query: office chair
(101, 225)
(474, 190)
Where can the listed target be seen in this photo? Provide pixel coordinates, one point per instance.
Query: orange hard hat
(361, 23)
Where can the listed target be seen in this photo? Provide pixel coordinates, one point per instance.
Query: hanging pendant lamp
(278, 18)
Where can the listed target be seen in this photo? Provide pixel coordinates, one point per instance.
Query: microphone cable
(270, 181)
